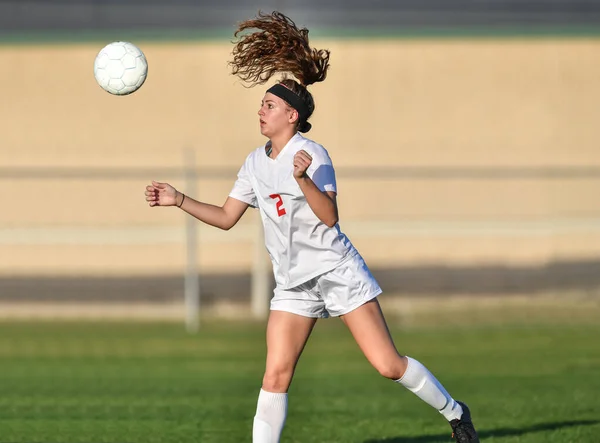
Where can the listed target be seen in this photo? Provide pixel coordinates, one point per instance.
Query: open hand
(161, 194)
(302, 161)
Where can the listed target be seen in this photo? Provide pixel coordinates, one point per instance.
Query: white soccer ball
(120, 68)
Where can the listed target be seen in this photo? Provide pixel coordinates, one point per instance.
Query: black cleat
(463, 430)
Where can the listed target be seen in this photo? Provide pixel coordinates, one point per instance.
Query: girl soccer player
(317, 270)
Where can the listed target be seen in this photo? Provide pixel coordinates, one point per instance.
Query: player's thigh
(287, 335)
(368, 327)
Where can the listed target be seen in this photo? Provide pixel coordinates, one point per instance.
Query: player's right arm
(224, 217)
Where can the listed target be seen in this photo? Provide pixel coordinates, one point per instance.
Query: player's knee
(393, 369)
(277, 380)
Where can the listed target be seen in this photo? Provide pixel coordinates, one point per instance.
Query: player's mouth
(262, 122)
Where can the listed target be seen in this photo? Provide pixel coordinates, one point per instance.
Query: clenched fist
(302, 161)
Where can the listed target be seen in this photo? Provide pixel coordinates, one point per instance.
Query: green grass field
(125, 383)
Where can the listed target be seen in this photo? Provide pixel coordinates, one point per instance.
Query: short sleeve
(321, 171)
(242, 189)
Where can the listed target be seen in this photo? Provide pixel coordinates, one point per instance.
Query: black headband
(293, 99)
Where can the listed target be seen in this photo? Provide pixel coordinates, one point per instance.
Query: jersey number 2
(279, 205)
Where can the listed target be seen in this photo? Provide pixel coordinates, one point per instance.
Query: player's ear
(293, 116)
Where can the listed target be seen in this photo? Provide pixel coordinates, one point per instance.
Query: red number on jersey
(279, 206)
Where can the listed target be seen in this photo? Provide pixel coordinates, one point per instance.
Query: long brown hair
(279, 46)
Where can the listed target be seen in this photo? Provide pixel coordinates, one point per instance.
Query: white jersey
(300, 245)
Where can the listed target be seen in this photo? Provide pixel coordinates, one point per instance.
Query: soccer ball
(120, 68)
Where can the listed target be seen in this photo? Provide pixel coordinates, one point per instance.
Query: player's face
(275, 115)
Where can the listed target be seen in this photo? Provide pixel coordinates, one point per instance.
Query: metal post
(261, 288)
(191, 279)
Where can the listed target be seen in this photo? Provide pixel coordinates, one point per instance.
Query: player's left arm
(322, 203)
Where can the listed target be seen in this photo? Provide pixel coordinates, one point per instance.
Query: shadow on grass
(500, 432)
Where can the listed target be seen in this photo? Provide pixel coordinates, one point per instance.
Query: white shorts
(333, 293)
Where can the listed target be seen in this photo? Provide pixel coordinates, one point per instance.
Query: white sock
(421, 382)
(271, 411)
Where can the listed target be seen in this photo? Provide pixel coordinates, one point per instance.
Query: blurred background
(465, 138)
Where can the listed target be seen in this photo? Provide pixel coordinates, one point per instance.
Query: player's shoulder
(254, 154)
(251, 162)
(314, 149)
